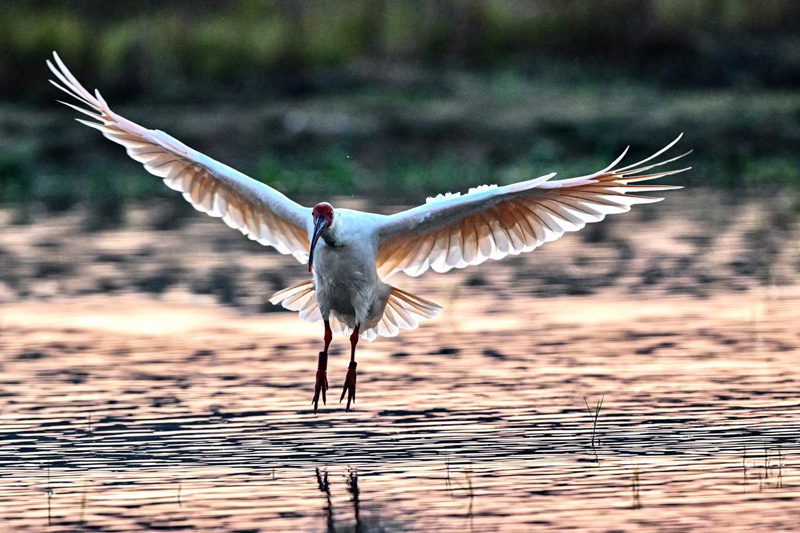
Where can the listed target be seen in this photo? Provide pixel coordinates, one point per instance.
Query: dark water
(122, 413)
(167, 411)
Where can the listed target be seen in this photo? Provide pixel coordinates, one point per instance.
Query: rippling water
(124, 413)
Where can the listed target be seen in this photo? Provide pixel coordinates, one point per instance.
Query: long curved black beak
(319, 227)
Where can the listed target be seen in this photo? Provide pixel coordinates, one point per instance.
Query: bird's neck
(330, 236)
(330, 240)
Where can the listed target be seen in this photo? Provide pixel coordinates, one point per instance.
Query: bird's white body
(345, 276)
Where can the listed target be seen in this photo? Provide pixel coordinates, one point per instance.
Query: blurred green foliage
(329, 173)
(105, 203)
(399, 99)
(265, 42)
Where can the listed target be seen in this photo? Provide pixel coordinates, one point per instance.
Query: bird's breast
(338, 265)
(344, 278)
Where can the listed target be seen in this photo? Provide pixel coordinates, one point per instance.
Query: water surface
(145, 384)
(113, 421)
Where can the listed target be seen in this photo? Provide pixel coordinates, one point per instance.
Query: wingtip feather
(658, 153)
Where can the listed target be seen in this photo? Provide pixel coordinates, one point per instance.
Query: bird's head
(322, 216)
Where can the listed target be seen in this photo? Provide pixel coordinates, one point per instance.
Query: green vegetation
(249, 42)
(400, 100)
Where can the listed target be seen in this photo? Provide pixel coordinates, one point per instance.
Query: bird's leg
(322, 369)
(350, 381)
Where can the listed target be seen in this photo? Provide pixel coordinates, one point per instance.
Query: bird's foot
(321, 386)
(349, 387)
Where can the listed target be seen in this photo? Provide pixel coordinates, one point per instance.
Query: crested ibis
(351, 254)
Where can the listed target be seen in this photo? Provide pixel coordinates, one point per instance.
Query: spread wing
(260, 212)
(454, 231)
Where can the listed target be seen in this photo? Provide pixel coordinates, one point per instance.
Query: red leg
(350, 381)
(322, 369)
(328, 335)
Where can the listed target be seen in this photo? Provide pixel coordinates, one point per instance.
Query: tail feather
(301, 298)
(400, 312)
(401, 309)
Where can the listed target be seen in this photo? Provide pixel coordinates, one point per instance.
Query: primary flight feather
(350, 253)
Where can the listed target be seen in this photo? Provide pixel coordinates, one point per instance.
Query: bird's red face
(323, 218)
(324, 210)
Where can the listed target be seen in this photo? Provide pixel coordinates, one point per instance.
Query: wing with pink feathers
(455, 231)
(255, 209)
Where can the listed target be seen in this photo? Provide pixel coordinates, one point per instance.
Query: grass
(595, 415)
(382, 132)
(49, 491)
(774, 461)
(105, 191)
(727, 41)
(404, 152)
(770, 462)
(744, 461)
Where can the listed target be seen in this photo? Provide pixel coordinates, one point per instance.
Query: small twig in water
(594, 415)
(447, 483)
(766, 462)
(83, 504)
(471, 494)
(744, 467)
(49, 491)
(744, 458)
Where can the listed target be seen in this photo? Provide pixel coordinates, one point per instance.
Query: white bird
(352, 253)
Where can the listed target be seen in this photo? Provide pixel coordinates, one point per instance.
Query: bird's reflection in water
(352, 488)
(456, 490)
(355, 496)
(325, 487)
(471, 494)
(49, 492)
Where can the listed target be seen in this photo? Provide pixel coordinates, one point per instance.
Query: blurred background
(395, 100)
(146, 381)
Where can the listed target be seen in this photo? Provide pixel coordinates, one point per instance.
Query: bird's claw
(349, 387)
(321, 385)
